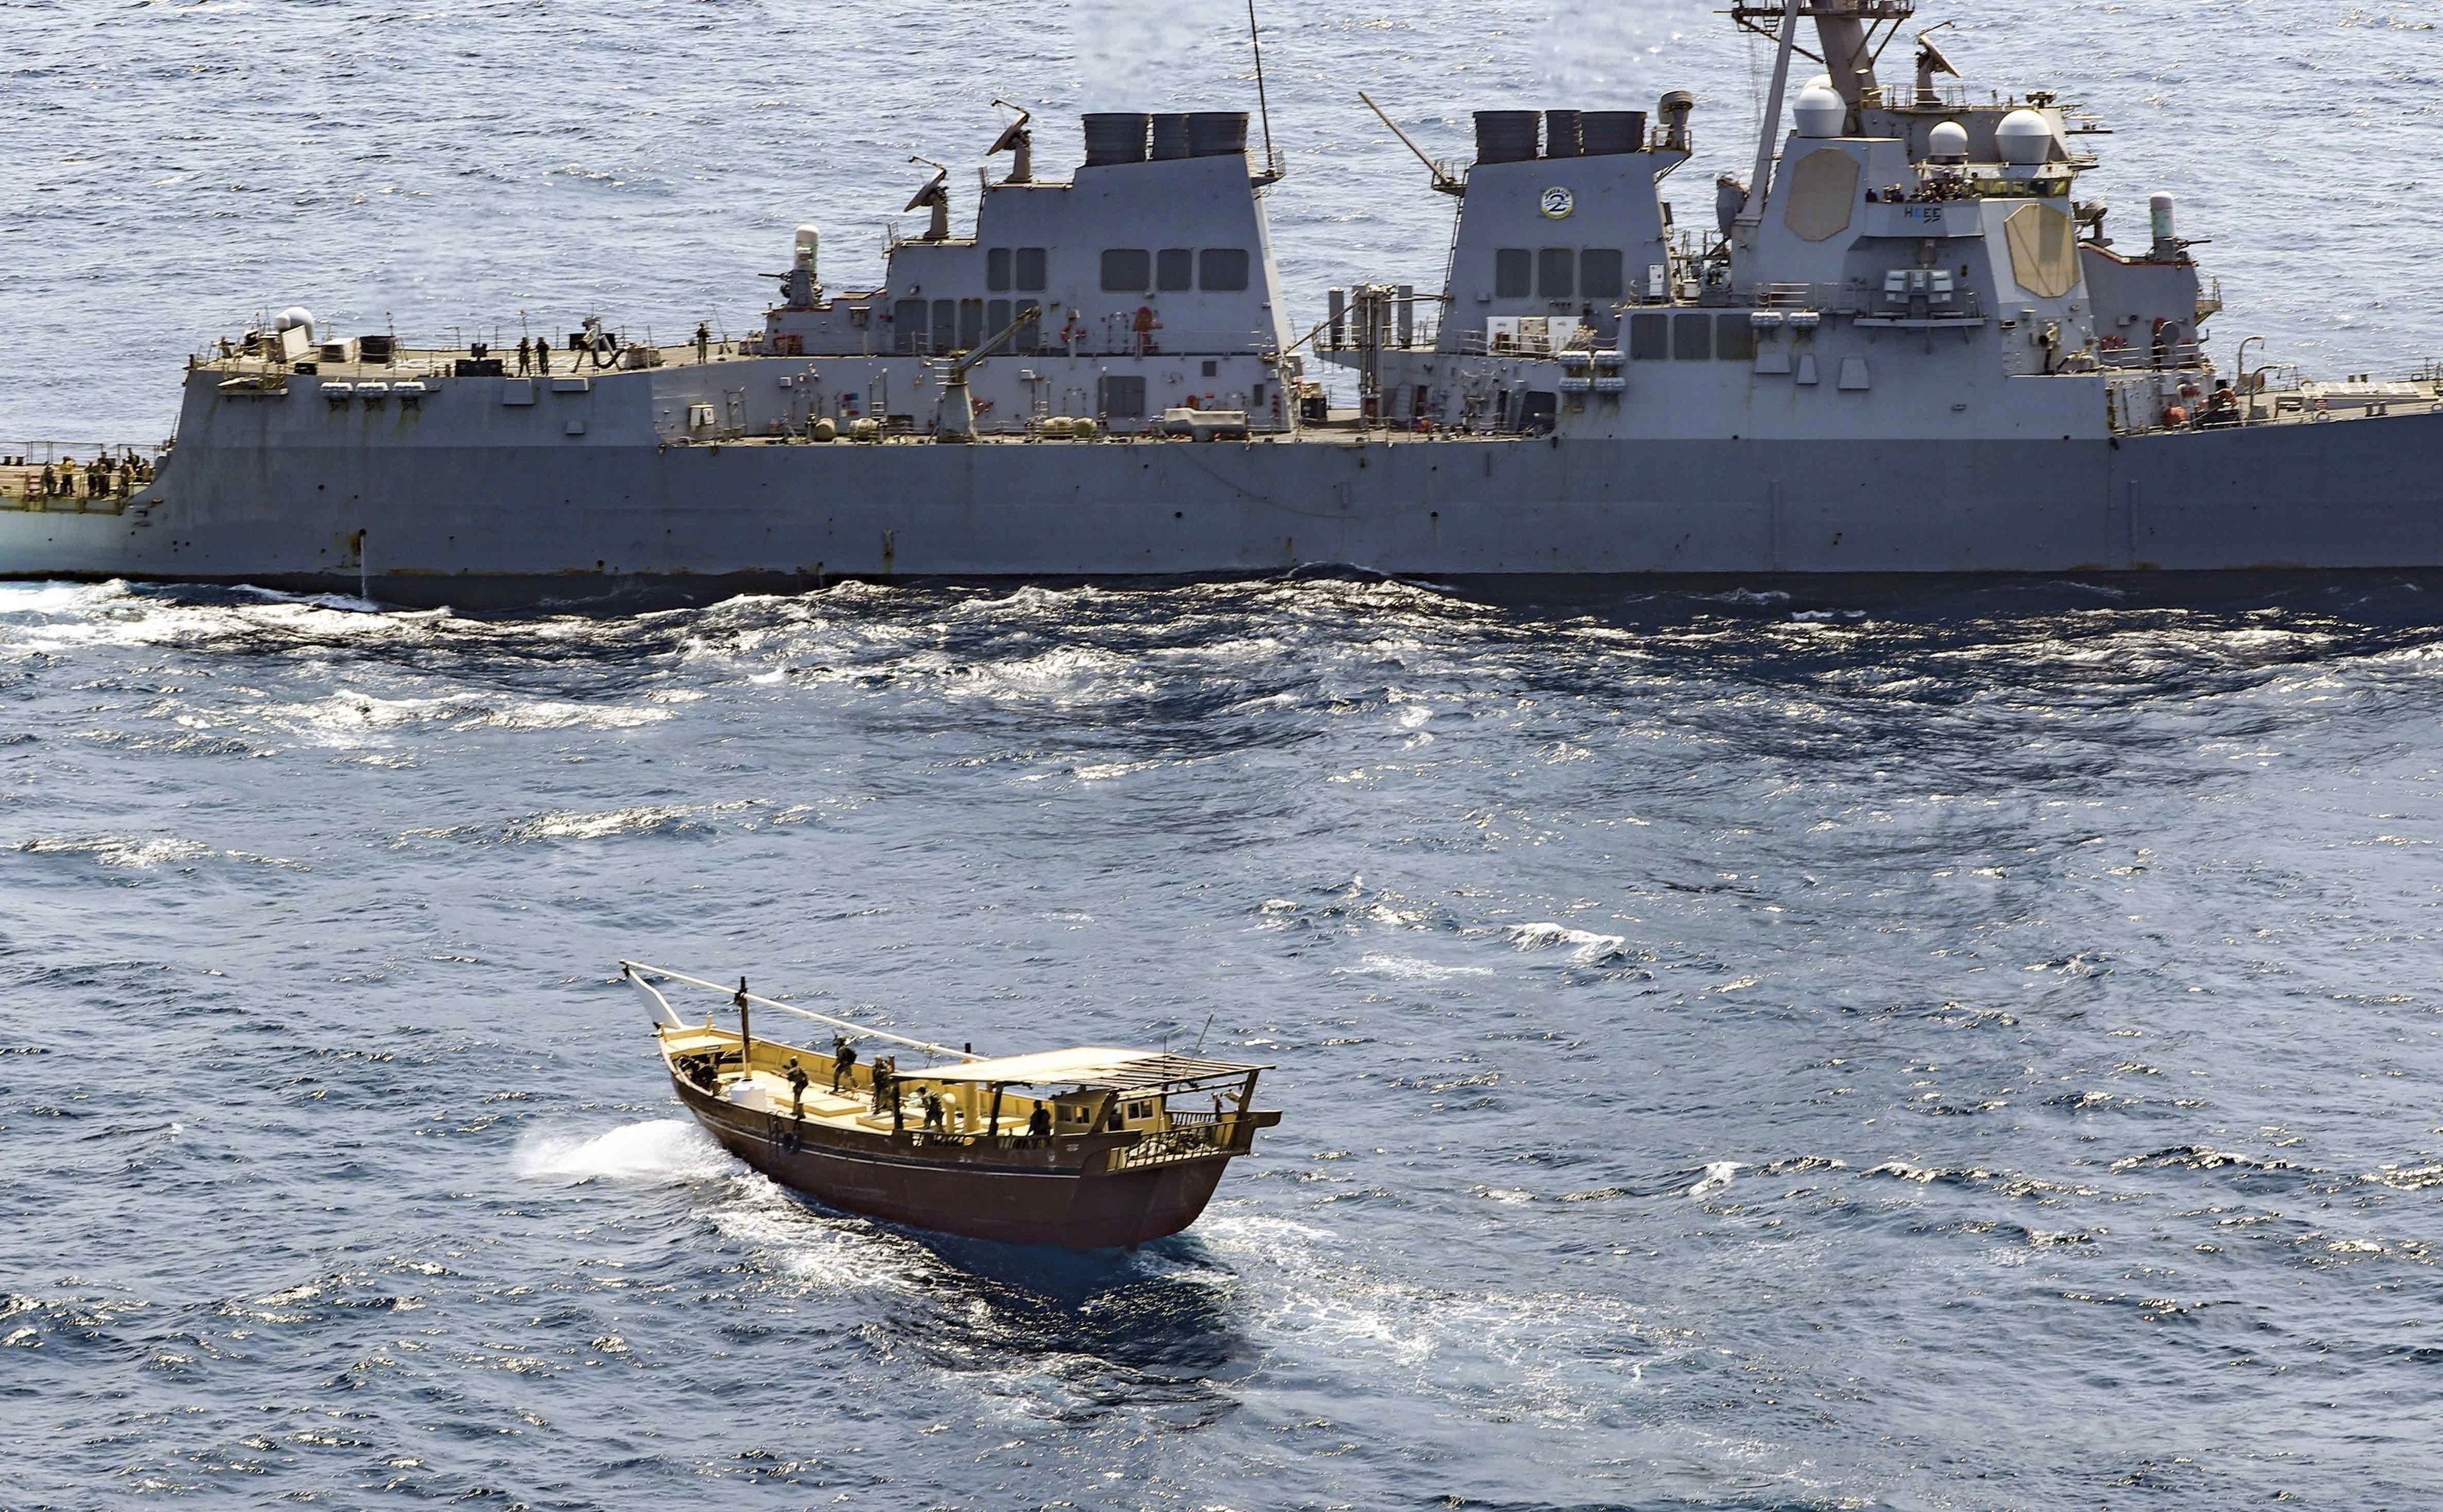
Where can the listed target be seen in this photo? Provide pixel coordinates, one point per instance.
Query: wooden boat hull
(1071, 1190)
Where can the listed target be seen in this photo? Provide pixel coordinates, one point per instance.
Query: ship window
(1126, 271)
(997, 318)
(1599, 273)
(997, 270)
(1514, 273)
(1650, 337)
(945, 325)
(971, 324)
(1121, 396)
(1223, 269)
(1556, 273)
(1029, 340)
(1175, 269)
(1734, 337)
(1691, 337)
(1030, 271)
(907, 326)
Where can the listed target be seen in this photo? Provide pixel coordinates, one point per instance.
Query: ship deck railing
(1096, 342)
(1850, 298)
(2175, 356)
(20, 475)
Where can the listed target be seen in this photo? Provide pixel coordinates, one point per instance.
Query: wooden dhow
(1088, 1148)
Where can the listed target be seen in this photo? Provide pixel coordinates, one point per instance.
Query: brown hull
(1063, 1191)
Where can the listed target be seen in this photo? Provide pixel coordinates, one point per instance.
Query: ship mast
(1849, 34)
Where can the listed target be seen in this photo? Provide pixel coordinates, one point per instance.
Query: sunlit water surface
(1972, 1052)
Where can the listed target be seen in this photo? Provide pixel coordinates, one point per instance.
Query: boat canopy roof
(1089, 1066)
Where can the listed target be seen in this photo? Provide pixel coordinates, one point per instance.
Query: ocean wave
(1586, 947)
(657, 1150)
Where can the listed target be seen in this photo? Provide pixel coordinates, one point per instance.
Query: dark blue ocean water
(1978, 1051)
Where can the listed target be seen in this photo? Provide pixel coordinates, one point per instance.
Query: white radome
(2025, 138)
(1820, 111)
(1947, 142)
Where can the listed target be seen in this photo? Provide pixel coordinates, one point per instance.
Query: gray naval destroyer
(1902, 344)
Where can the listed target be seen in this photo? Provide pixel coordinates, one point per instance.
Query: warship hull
(412, 521)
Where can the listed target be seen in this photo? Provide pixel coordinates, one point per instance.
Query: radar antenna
(1018, 142)
(1930, 62)
(935, 195)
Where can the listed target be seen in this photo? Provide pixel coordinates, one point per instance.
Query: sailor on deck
(843, 1062)
(797, 1090)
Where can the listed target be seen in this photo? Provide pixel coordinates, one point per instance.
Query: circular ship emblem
(1559, 202)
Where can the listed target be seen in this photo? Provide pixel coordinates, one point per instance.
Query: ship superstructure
(1142, 282)
(1904, 342)
(1903, 246)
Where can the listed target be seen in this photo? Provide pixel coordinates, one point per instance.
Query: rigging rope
(631, 968)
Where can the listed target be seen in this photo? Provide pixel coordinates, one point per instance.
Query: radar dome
(1820, 111)
(1819, 82)
(2025, 138)
(1947, 142)
(296, 314)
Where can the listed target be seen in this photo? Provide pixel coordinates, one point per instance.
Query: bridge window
(1556, 273)
(1126, 271)
(1223, 269)
(1175, 269)
(1599, 275)
(1514, 273)
(1691, 337)
(1650, 337)
(945, 324)
(996, 269)
(971, 324)
(1030, 271)
(1734, 337)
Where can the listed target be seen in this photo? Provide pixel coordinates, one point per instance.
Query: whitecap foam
(1584, 946)
(1408, 969)
(1717, 1175)
(134, 852)
(655, 1151)
(819, 1249)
